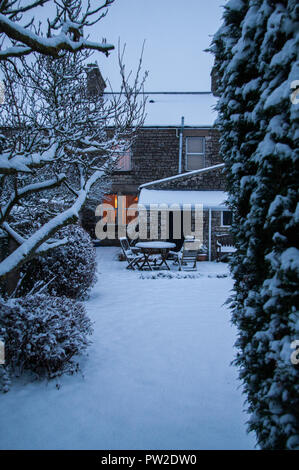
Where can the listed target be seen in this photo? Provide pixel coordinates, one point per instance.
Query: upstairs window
(195, 153)
(226, 218)
(124, 161)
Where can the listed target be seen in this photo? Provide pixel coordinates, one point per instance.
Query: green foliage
(256, 61)
(42, 334)
(69, 270)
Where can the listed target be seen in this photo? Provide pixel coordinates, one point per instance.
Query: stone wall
(215, 228)
(155, 155)
(212, 180)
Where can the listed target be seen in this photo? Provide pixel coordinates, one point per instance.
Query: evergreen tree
(256, 62)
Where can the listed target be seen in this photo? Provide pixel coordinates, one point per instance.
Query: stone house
(174, 158)
(171, 155)
(203, 188)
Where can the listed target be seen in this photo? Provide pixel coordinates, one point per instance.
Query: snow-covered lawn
(158, 374)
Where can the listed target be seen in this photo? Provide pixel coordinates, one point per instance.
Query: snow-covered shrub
(4, 372)
(257, 69)
(42, 334)
(4, 379)
(68, 270)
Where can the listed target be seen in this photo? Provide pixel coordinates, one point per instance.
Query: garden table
(151, 248)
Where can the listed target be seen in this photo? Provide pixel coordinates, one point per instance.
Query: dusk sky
(176, 35)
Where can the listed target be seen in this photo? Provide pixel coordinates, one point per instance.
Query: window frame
(112, 199)
(121, 154)
(222, 224)
(195, 153)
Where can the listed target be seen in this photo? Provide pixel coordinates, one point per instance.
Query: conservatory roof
(209, 199)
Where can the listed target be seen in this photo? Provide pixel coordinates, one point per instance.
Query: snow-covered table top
(155, 245)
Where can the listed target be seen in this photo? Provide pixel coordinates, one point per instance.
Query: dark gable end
(211, 179)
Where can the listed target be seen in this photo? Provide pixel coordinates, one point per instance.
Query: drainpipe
(181, 145)
(210, 234)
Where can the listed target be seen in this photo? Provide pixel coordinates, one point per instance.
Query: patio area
(157, 375)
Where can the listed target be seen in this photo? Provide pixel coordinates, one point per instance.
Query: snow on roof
(182, 175)
(209, 199)
(167, 108)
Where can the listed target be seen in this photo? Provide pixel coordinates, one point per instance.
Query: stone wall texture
(155, 155)
(212, 180)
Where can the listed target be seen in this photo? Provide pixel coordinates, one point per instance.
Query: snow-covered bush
(4, 379)
(257, 69)
(69, 270)
(42, 334)
(4, 373)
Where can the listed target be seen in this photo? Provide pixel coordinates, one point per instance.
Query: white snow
(24, 163)
(167, 109)
(155, 245)
(52, 44)
(209, 199)
(158, 374)
(290, 259)
(234, 5)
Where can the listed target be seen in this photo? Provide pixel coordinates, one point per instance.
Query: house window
(124, 161)
(226, 218)
(195, 153)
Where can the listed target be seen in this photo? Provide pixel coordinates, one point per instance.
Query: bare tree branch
(69, 21)
(57, 143)
(29, 247)
(26, 191)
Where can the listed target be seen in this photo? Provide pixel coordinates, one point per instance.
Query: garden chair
(174, 254)
(131, 254)
(224, 245)
(187, 256)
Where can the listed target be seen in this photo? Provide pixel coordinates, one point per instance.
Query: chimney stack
(95, 82)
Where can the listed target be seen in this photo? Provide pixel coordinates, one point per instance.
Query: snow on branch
(36, 243)
(68, 21)
(29, 189)
(13, 234)
(20, 163)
